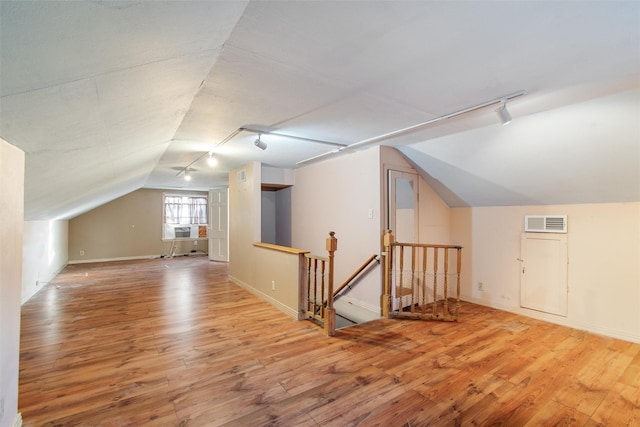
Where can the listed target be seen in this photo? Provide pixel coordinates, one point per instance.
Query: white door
(403, 206)
(219, 224)
(543, 272)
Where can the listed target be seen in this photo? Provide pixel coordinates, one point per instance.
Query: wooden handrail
(425, 245)
(355, 274)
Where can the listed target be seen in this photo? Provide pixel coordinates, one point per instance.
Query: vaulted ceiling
(106, 97)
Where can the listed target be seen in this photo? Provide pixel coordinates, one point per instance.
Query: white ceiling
(106, 97)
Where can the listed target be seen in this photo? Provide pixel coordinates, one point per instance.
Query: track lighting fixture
(259, 143)
(503, 113)
(212, 161)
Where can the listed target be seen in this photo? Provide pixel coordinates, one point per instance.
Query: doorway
(219, 224)
(543, 272)
(402, 205)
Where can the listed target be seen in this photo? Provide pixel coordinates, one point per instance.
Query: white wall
(335, 195)
(244, 221)
(603, 271)
(44, 253)
(11, 223)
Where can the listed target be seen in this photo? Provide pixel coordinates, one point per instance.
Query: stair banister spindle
(446, 282)
(387, 240)
(435, 281)
(310, 307)
(423, 303)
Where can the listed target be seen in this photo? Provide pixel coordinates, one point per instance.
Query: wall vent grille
(545, 223)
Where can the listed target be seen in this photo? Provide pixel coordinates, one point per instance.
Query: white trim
(130, 258)
(556, 319)
(295, 314)
(17, 421)
(124, 258)
(42, 284)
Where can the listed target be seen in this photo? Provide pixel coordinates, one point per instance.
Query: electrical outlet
(273, 285)
(480, 286)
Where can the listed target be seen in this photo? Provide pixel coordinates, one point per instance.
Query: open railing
(418, 281)
(318, 280)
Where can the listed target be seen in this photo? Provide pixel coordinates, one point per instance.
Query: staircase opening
(348, 314)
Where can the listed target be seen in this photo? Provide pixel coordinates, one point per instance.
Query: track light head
(212, 161)
(503, 113)
(187, 175)
(260, 143)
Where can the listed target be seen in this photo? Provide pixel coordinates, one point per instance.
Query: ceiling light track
(502, 112)
(299, 138)
(211, 159)
(414, 128)
(185, 172)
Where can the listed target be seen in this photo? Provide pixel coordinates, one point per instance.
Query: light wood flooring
(171, 342)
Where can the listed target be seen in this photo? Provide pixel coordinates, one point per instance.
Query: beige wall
(435, 217)
(11, 226)
(244, 221)
(44, 252)
(336, 195)
(257, 268)
(128, 227)
(603, 271)
(277, 278)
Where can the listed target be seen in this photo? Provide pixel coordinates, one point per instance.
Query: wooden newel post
(386, 291)
(330, 320)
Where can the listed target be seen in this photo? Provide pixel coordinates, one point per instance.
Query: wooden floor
(172, 342)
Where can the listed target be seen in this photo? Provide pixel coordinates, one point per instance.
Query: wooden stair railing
(318, 279)
(356, 274)
(419, 287)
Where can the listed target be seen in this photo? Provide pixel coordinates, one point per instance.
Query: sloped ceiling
(106, 97)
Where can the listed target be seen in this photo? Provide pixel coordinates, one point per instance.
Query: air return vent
(545, 223)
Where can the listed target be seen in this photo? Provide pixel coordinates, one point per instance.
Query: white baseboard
(274, 302)
(558, 320)
(42, 283)
(17, 422)
(124, 258)
(130, 258)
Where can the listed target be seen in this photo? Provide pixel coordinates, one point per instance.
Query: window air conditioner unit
(545, 223)
(183, 232)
